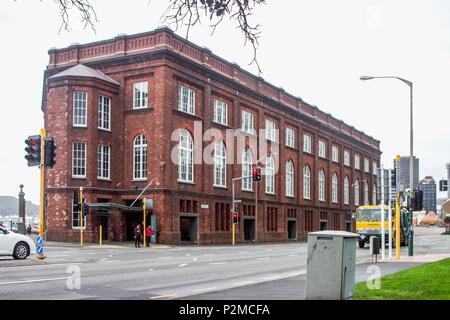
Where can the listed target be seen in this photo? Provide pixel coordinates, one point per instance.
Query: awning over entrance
(113, 206)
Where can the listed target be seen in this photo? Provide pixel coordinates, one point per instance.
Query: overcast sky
(313, 49)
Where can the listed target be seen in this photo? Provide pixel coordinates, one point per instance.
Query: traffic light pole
(233, 207)
(42, 187)
(144, 227)
(80, 216)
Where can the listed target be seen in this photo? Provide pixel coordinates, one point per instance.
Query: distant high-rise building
(404, 172)
(387, 185)
(428, 186)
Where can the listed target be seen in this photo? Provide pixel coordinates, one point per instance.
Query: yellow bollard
(101, 238)
(233, 234)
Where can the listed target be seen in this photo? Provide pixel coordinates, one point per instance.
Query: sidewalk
(294, 288)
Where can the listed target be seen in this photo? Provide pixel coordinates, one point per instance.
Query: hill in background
(9, 206)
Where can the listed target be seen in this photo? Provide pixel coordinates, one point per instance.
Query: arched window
(357, 192)
(270, 174)
(374, 194)
(306, 182)
(186, 157)
(220, 166)
(334, 188)
(289, 178)
(346, 191)
(247, 169)
(321, 185)
(140, 158)
(366, 194)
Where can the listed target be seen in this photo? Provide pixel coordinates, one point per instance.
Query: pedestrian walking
(148, 234)
(29, 230)
(137, 236)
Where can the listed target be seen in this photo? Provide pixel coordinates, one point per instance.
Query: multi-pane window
(270, 174)
(80, 109)
(374, 168)
(357, 193)
(220, 167)
(374, 195)
(346, 158)
(247, 122)
(322, 149)
(334, 188)
(247, 169)
(306, 182)
(103, 160)
(307, 143)
(290, 137)
(357, 162)
(289, 178)
(335, 154)
(79, 160)
(76, 223)
(346, 191)
(140, 95)
(104, 113)
(366, 194)
(366, 165)
(321, 185)
(220, 112)
(270, 130)
(186, 99)
(186, 157)
(140, 158)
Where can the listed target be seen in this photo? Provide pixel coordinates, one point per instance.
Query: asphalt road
(166, 272)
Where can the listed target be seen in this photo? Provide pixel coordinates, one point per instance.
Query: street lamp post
(411, 166)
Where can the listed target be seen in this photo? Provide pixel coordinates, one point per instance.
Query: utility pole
(22, 225)
(382, 214)
(397, 211)
(42, 187)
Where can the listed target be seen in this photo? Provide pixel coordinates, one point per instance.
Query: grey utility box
(331, 265)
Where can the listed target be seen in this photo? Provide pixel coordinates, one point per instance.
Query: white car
(16, 245)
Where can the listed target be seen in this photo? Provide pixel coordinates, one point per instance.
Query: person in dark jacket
(137, 236)
(29, 229)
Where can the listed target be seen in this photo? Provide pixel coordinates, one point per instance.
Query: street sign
(39, 249)
(39, 240)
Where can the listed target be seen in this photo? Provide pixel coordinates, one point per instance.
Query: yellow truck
(368, 224)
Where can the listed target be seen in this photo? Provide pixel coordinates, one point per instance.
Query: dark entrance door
(292, 230)
(188, 229)
(103, 221)
(249, 229)
(132, 219)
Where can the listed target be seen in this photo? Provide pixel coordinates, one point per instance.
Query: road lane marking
(164, 296)
(111, 261)
(205, 289)
(195, 259)
(243, 251)
(182, 265)
(39, 265)
(243, 283)
(34, 280)
(223, 262)
(293, 255)
(272, 278)
(298, 273)
(266, 258)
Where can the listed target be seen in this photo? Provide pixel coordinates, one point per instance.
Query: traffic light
(50, 154)
(394, 178)
(85, 208)
(417, 201)
(236, 217)
(33, 150)
(256, 174)
(443, 185)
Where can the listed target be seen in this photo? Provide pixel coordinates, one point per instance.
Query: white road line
(223, 262)
(272, 278)
(266, 258)
(35, 280)
(293, 255)
(164, 296)
(195, 259)
(111, 261)
(40, 265)
(243, 251)
(205, 289)
(182, 265)
(242, 283)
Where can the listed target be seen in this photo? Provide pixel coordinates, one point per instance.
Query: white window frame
(366, 165)
(270, 174)
(306, 182)
(79, 212)
(374, 168)
(220, 112)
(334, 188)
(140, 95)
(307, 143)
(357, 192)
(290, 137)
(322, 185)
(271, 130)
(80, 108)
(186, 157)
(366, 193)
(186, 99)
(346, 190)
(357, 162)
(322, 149)
(79, 159)
(140, 150)
(104, 113)
(290, 178)
(247, 122)
(347, 158)
(247, 184)
(374, 194)
(334, 153)
(103, 162)
(220, 164)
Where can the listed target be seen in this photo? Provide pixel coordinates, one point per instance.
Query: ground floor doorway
(103, 220)
(132, 219)
(188, 230)
(249, 229)
(292, 230)
(323, 225)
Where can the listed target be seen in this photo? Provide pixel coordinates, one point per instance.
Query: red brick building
(112, 108)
